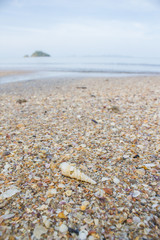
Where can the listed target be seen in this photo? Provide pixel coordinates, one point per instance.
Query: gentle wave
(79, 66)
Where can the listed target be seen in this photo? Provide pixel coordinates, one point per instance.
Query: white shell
(72, 172)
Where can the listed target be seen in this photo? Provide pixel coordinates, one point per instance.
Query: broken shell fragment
(72, 172)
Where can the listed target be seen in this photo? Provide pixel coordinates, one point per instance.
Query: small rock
(6, 167)
(136, 219)
(140, 171)
(46, 221)
(6, 153)
(94, 121)
(85, 203)
(136, 156)
(141, 225)
(104, 179)
(115, 109)
(129, 221)
(43, 207)
(146, 231)
(125, 157)
(91, 238)
(83, 235)
(96, 222)
(6, 216)
(71, 230)
(3, 204)
(20, 125)
(62, 215)
(136, 193)
(123, 218)
(116, 180)
(100, 193)
(119, 225)
(20, 101)
(10, 192)
(108, 191)
(52, 166)
(51, 192)
(61, 185)
(68, 193)
(149, 165)
(63, 228)
(38, 231)
(83, 208)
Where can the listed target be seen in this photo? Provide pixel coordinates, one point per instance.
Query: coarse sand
(109, 129)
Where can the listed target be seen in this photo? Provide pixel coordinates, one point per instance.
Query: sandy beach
(109, 129)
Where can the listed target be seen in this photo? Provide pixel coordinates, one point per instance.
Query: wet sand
(109, 128)
(6, 73)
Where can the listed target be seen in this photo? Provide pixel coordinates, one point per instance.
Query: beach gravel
(109, 129)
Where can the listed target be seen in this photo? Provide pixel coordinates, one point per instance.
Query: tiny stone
(51, 192)
(10, 192)
(43, 207)
(85, 203)
(61, 185)
(135, 194)
(136, 219)
(38, 231)
(96, 222)
(116, 180)
(71, 230)
(119, 225)
(83, 235)
(63, 228)
(46, 221)
(104, 179)
(68, 193)
(140, 171)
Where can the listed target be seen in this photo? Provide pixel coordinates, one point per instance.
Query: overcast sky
(80, 27)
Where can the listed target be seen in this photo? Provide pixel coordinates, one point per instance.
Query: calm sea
(79, 66)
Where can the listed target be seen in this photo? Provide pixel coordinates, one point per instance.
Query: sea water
(79, 66)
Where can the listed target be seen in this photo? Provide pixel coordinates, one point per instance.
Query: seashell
(72, 172)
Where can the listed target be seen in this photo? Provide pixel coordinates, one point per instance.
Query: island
(40, 54)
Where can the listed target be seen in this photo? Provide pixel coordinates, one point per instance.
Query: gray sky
(80, 27)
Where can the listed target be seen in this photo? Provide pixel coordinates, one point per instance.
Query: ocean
(79, 66)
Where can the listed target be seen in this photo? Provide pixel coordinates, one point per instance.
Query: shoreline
(5, 73)
(12, 76)
(109, 129)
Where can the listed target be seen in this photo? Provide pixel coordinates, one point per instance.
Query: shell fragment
(72, 172)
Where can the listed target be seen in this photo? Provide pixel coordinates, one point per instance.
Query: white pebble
(61, 185)
(85, 203)
(104, 179)
(63, 228)
(96, 222)
(51, 192)
(10, 192)
(91, 238)
(46, 221)
(83, 235)
(136, 193)
(38, 231)
(116, 180)
(149, 165)
(136, 219)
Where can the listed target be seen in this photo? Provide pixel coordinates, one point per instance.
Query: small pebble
(136, 193)
(63, 228)
(83, 235)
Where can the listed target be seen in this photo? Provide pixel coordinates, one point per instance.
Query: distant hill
(40, 54)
